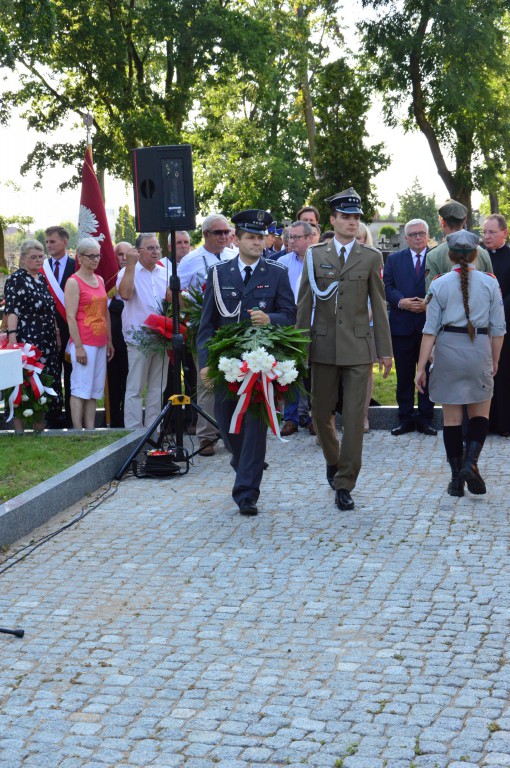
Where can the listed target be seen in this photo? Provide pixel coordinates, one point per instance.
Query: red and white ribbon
(30, 356)
(244, 393)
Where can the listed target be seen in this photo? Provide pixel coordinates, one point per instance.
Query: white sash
(55, 289)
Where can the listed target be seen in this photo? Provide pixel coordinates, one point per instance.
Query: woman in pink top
(89, 329)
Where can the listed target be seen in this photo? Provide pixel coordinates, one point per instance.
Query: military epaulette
(371, 248)
(491, 275)
(275, 263)
(435, 278)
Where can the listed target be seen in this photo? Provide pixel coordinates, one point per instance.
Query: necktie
(55, 269)
(418, 264)
(342, 257)
(247, 275)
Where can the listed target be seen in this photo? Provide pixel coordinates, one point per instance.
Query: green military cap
(451, 210)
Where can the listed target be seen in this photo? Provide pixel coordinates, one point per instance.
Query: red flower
(233, 385)
(163, 325)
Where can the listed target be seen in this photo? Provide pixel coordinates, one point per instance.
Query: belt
(459, 329)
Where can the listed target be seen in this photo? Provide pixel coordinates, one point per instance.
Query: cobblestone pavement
(165, 630)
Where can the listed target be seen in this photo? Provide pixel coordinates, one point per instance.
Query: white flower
(287, 372)
(28, 412)
(43, 400)
(259, 361)
(230, 367)
(25, 398)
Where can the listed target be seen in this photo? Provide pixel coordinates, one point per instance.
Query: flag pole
(88, 121)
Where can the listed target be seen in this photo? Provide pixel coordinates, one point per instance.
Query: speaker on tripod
(165, 202)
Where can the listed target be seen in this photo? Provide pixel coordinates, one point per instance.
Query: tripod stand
(177, 454)
(16, 632)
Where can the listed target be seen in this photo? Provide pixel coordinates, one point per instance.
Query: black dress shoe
(247, 507)
(343, 499)
(403, 429)
(331, 470)
(426, 429)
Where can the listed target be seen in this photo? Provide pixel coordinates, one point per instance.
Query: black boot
(456, 485)
(470, 472)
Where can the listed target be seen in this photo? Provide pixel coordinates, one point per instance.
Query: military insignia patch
(326, 266)
(262, 304)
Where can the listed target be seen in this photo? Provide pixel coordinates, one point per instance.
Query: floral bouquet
(28, 400)
(192, 302)
(156, 333)
(253, 363)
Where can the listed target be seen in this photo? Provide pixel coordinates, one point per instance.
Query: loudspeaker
(163, 187)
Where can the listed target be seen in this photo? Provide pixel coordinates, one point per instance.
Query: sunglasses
(219, 231)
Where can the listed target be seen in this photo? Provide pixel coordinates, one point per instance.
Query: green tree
(12, 240)
(125, 226)
(343, 156)
(447, 65)
(73, 233)
(415, 204)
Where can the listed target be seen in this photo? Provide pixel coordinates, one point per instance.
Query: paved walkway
(165, 630)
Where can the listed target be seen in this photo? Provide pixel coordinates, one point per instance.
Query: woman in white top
(466, 323)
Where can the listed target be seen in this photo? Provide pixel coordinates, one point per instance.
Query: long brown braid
(464, 283)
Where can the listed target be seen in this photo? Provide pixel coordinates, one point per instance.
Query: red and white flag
(92, 222)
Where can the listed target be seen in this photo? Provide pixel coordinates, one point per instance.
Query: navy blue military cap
(253, 220)
(271, 230)
(347, 201)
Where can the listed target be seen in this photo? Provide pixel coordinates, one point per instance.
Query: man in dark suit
(404, 280)
(245, 288)
(57, 269)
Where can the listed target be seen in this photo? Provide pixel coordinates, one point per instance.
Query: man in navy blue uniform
(404, 281)
(245, 288)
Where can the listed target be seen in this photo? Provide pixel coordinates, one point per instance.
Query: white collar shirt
(148, 294)
(348, 248)
(193, 268)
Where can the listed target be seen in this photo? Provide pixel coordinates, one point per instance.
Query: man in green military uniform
(452, 218)
(339, 277)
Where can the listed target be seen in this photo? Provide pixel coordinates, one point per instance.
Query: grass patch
(31, 459)
(385, 389)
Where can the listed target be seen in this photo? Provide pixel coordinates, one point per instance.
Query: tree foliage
(238, 79)
(125, 226)
(343, 157)
(415, 204)
(447, 64)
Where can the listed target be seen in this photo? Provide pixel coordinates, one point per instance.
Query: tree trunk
(3, 262)
(494, 202)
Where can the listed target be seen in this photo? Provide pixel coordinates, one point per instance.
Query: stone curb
(24, 513)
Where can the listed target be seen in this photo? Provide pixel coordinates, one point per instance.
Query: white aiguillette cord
(219, 301)
(330, 290)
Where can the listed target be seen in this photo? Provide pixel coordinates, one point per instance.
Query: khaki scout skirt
(462, 369)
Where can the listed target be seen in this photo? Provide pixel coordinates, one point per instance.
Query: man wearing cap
(192, 271)
(339, 277)
(246, 288)
(404, 281)
(270, 251)
(452, 218)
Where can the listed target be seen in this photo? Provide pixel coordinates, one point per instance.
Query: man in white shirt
(142, 285)
(192, 270)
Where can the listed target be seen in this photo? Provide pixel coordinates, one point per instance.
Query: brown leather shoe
(288, 429)
(311, 428)
(206, 448)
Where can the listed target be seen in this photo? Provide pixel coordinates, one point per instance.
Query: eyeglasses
(491, 231)
(37, 256)
(297, 237)
(151, 248)
(416, 234)
(91, 255)
(219, 231)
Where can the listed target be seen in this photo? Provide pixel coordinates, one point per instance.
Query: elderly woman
(89, 329)
(466, 322)
(31, 312)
